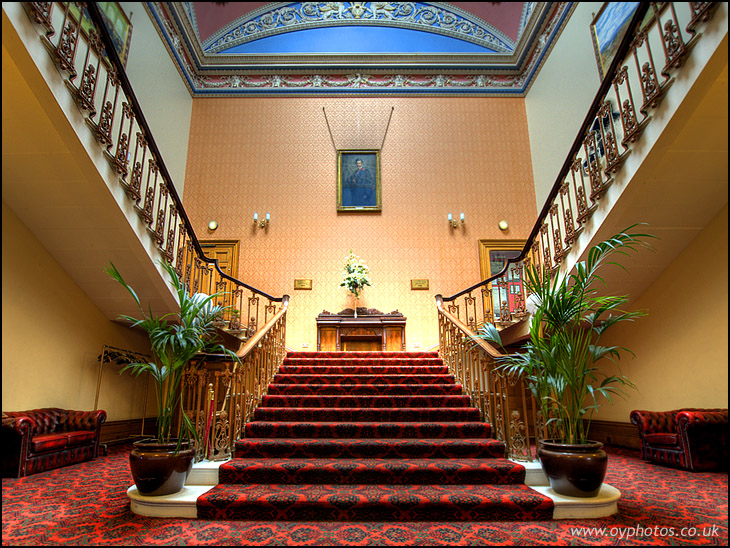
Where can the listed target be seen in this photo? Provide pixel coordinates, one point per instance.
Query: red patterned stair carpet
(358, 436)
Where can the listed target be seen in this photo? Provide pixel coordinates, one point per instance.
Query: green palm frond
(558, 363)
(175, 338)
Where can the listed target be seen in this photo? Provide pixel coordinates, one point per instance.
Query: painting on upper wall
(608, 29)
(116, 21)
(358, 180)
(505, 295)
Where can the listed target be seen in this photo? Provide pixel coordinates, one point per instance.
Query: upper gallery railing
(637, 80)
(77, 39)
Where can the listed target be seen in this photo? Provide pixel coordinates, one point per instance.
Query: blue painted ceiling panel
(357, 40)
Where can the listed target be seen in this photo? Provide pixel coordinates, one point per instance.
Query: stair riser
(365, 401)
(373, 449)
(363, 379)
(363, 363)
(366, 415)
(379, 355)
(371, 472)
(357, 504)
(365, 389)
(367, 430)
(362, 370)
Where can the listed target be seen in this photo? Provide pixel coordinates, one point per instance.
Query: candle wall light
(263, 223)
(454, 223)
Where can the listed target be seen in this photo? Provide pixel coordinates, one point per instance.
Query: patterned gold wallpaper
(440, 156)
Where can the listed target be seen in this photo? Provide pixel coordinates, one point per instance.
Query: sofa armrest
(650, 422)
(701, 417)
(17, 432)
(23, 425)
(702, 436)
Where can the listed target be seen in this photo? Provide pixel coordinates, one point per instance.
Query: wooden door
(226, 251)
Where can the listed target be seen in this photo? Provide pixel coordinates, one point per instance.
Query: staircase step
(361, 355)
(365, 389)
(374, 503)
(364, 362)
(365, 401)
(372, 471)
(332, 414)
(362, 379)
(348, 448)
(349, 369)
(271, 429)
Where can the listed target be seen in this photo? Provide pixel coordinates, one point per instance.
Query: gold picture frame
(492, 258)
(609, 26)
(117, 23)
(358, 180)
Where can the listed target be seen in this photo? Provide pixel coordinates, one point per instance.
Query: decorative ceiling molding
(209, 71)
(427, 17)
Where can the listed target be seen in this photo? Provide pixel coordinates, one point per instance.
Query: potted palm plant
(559, 363)
(160, 466)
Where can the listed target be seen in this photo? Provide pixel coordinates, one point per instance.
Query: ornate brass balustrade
(611, 128)
(219, 396)
(502, 399)
(87, 60)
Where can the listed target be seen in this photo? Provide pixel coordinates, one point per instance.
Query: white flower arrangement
(357, 275)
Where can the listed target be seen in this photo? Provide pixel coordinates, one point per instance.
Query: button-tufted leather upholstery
(695, 439)
(42, 439)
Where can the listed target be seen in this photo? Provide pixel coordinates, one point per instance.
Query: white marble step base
(204, 477)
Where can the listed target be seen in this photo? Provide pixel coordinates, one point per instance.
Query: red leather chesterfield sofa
(44, 439)
(693, 439)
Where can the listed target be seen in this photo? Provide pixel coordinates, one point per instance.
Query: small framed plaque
(419, 284)
(302, 284)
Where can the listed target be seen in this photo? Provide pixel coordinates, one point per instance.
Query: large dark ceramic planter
(157, 470)
(574, 470)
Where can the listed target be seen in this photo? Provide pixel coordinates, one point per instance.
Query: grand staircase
(369, 436)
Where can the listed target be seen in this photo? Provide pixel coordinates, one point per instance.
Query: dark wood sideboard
(370, 331)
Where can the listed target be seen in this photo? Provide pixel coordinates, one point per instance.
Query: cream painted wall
(165, 100)
(681, 347)
(557, 101)
(52, 334)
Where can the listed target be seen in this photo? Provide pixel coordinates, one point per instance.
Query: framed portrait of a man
(358, 180)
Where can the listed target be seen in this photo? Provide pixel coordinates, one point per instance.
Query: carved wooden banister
(502, 399)
(96, 78)
(635, 83)
(220, 395)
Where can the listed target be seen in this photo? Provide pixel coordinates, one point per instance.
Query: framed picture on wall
(507, 293)
(358, 180)
(117, 23)
(608, 29)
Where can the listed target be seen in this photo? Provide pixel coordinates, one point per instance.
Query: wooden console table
(370, 331)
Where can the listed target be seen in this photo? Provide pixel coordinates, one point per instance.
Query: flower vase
(356, 306)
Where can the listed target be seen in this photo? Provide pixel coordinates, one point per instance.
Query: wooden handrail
(488, 348)
(588, 121)
(95, 15)
(261, 333)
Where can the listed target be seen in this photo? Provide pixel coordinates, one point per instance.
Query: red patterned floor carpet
(86, 504)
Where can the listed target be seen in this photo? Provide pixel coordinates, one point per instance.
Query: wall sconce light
(453, 222)
(503, 225)
(264, 222)
(212, 225)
